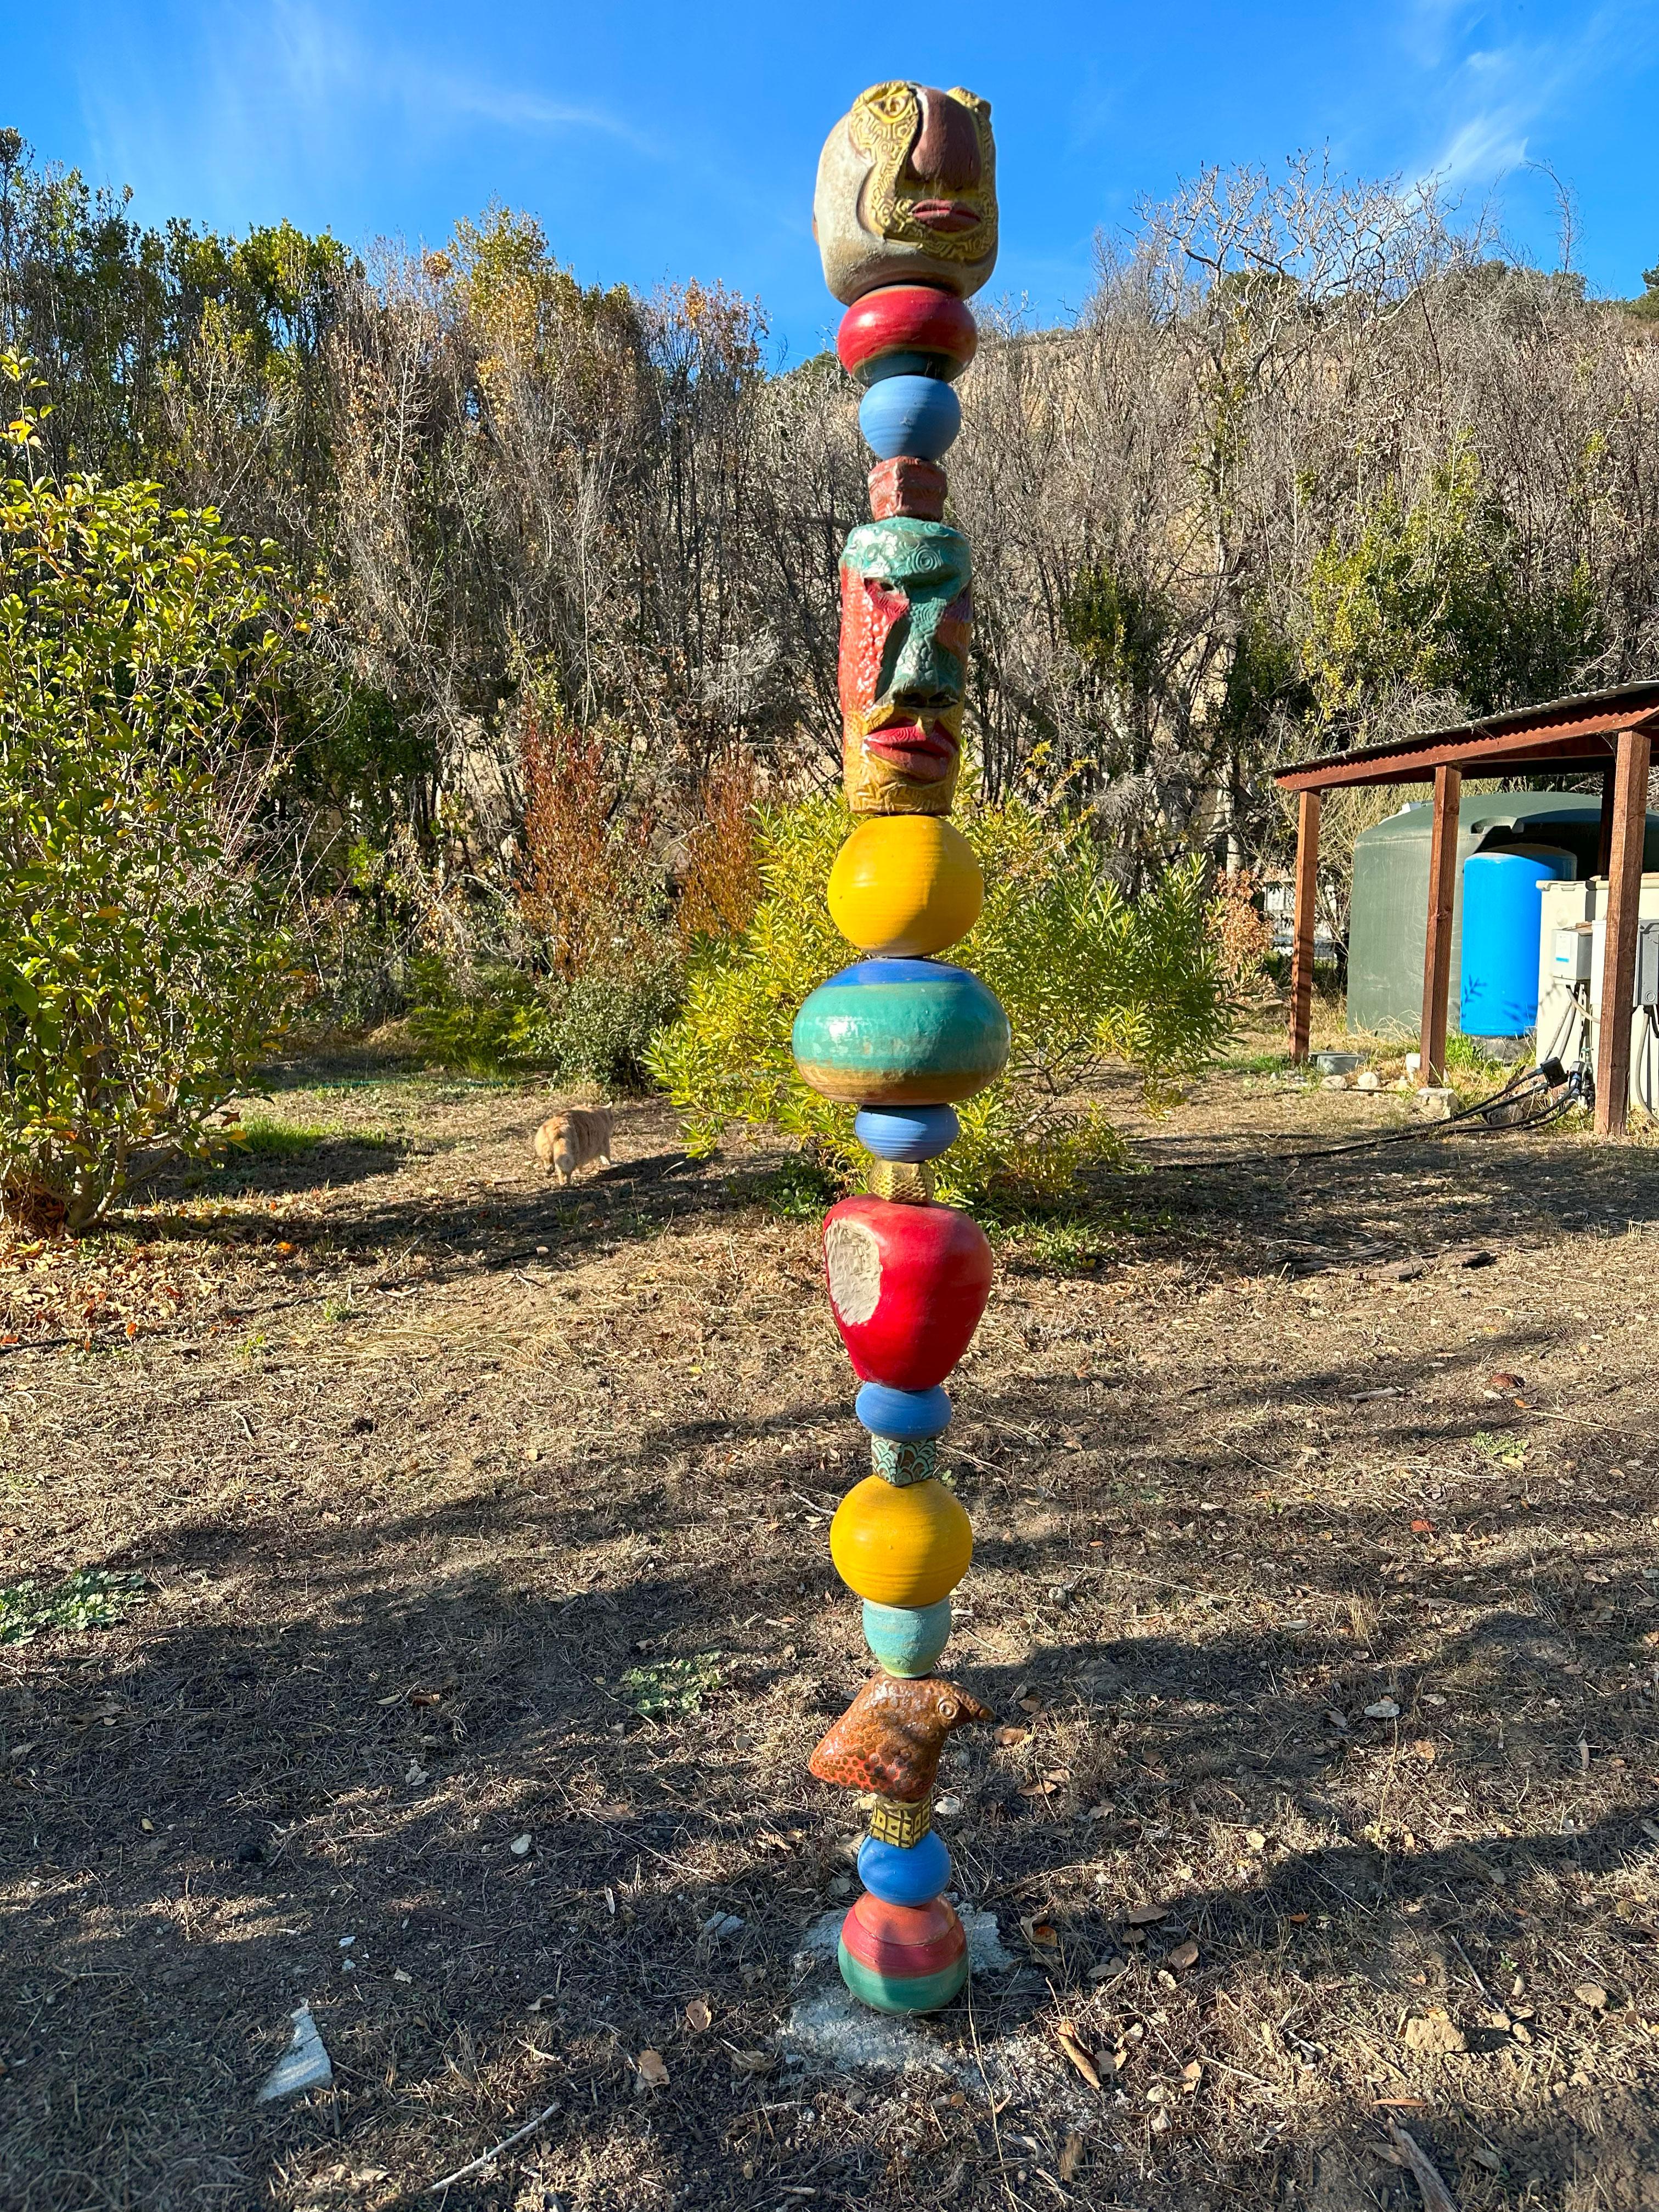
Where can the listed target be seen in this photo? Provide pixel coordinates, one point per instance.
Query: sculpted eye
(885, 599)
(947, 1710)
(891, 102)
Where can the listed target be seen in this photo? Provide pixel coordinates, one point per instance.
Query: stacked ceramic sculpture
(905, 217)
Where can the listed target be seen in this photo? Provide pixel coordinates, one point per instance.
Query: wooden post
(1604, 842)
(1436, 948)
(1630, 821)
(1307, 894)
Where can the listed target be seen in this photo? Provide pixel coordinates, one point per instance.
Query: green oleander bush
(1086, 975)
(144, 967)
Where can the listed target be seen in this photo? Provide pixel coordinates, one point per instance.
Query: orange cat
(566, 1142)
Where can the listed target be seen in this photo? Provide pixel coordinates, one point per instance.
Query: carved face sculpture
(906, 610)
(907, 192)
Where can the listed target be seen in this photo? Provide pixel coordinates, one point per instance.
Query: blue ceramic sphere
(907, 1639)
(917, 416)
(898, 1876)
(906, 1414)
(908, 1133)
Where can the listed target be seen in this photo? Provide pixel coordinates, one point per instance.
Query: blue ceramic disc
(906, 1414)
(917, 417)
(907, 1639)
(909, 1133)
(900, 1877)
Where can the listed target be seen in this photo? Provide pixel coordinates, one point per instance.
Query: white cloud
(287, 89)
(1497, 96)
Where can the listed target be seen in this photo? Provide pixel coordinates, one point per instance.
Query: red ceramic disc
(907, 1285)
(904, 1940)
(906, 319)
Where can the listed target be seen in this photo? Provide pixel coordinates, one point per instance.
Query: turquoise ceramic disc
(901, 1032)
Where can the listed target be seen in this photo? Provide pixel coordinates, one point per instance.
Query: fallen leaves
(1145, 1916)
(698, 2016)
(1079, 2052)
(1385, 1709)
(649, 2071)
(1592, 1995)
(1184, 1956)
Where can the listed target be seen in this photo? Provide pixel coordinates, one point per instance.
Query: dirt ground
(480, 1623)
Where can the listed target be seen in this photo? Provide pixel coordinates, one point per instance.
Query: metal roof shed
(1610, 730)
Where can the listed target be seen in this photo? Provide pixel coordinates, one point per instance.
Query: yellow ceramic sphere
(900, 1544)
(905, 884)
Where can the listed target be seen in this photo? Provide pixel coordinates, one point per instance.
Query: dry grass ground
(1315, 1586)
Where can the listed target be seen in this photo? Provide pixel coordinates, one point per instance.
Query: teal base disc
(917, 1993)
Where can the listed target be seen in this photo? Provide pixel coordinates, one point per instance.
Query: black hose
(1523, 1084)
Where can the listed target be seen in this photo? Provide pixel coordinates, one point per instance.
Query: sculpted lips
(923, 755)
(944, 214)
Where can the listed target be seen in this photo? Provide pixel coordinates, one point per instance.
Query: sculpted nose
(926, 669)
(947, 149)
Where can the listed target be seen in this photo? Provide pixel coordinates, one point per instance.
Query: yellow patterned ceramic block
(905, 884)
(901, 1546)
(905, 1183)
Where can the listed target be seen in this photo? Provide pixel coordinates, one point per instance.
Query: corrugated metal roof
(1558, 733)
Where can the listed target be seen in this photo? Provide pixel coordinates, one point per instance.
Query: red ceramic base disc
(904, 1940)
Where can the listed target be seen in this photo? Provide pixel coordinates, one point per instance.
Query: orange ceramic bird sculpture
(890, 1738)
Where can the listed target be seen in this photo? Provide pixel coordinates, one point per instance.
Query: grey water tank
(1389, 914)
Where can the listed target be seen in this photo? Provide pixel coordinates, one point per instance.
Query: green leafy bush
(143, 970)
(1085, 975)
(595, 1029)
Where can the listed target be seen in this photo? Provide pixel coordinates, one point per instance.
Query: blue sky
(666, 140)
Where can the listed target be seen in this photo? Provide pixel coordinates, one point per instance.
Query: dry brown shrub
(721, 886)
(1242, 935)
(573, 885)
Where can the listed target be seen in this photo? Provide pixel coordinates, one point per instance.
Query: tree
(143, 966)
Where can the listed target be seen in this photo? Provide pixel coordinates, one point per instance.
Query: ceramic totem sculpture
(905, 218)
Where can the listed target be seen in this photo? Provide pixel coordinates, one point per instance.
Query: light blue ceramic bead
(907, 1639)
(907, 1132)
(906, 1414)
(918, 416)
(898, 1876)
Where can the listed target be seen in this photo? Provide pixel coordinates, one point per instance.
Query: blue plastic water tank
(1503, 912)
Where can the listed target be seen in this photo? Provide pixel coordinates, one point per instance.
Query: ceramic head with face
(907, 192)
(905, 610)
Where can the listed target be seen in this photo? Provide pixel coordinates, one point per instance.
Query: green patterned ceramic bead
(900, 1461)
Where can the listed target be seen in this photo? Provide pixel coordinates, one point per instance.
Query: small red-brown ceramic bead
(907, 486)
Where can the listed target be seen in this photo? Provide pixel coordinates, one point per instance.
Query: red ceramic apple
(907, 1285)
